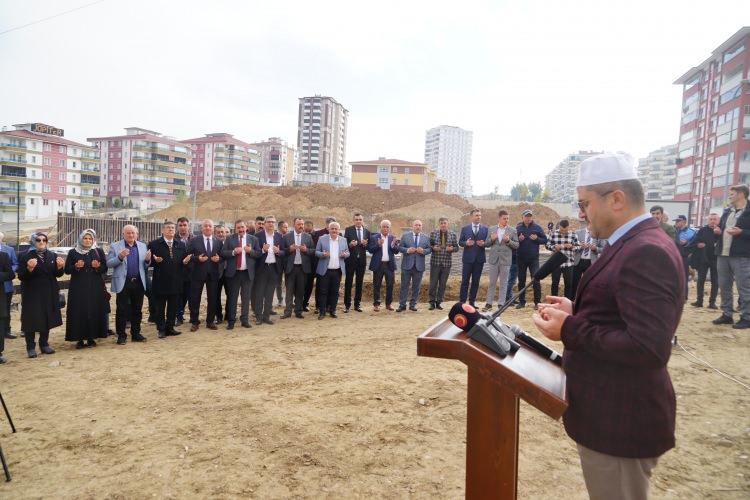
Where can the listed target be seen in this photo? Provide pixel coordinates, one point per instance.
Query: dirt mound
(318, 202)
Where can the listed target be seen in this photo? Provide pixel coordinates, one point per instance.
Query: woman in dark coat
(38, 270)
(86, 263)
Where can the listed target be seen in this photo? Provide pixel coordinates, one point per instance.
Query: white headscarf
(79, 245)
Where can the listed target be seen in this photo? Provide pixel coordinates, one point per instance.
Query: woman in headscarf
(38, 270)
(86, 305)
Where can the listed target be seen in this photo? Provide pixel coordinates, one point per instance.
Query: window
(33, 159)
(47, 147)
(59, 203)
(47, 175)
(61, 176)
(729, 54)
(31, 201)
(61, 189)
(61, 163)
(47, 162)
(45, 202)
(74, 164)
(47, 189)
(730, 94)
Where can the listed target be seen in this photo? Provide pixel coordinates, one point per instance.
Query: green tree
(535, 191)
(117, 203)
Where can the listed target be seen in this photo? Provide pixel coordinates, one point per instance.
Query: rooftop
(718, 51)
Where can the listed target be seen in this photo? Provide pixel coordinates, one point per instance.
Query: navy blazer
(377, 251)
(474, 253)
(277, 241)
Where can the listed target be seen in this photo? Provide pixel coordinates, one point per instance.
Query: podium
(495, 385)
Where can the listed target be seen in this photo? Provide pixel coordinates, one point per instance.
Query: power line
(50, 17)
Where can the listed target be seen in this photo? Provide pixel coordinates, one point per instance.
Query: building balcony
(11, 188)
(7, 146)
(13, 161)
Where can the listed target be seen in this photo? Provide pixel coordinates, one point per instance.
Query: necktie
(238, 259)
(359, 235)
(169, 244)
(476, 230)
(416, 239)
(208, 246)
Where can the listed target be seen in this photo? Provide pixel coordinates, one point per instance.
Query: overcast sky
(534, 80)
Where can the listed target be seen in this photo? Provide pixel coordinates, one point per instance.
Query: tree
(130, 203)
(117, 203)
(535, 191)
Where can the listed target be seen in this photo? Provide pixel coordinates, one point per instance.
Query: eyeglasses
(583, 205)
(40, 240)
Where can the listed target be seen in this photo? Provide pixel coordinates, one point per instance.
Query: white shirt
(587, 253)
(297, 242)
(501, 232)
(271, 257)
(333, 248)
(243, 255)
(386, 250)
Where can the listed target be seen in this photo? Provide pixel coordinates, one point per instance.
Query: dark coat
(377, 251)
(357, 254)
(202, 271)
(168, 274)
(40, 299)
(6, 274)
(305, 239)
(474, 253)
(617, 345)
(227, 251)
(86, 300)
(528, 248)
(277, 241)
(741, 243)
(700, 257)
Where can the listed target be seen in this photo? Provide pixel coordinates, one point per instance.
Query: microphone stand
(507, 304)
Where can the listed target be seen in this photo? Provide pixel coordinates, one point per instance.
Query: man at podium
(617, 334)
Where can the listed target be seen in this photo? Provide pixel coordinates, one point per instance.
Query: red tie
(238, 259)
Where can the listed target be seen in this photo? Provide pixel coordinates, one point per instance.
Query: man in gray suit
(299, 249)
(503, 240)
(332, 252)
(586, 255)
(240, 251)
(128, 258)
(414, 245)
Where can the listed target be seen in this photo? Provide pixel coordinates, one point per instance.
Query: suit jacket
(305, 239)
(8, 284)
(617, 345)
(358, 254)
(202, 271)
(185, 269)
(223, 261)
(277, 241)
(700, 257)
(474, 253)
(227, 251)
(324, 246)
(377, 251)
(499, 252)
(120, 267)
(581, 235)
(169, 273)
(410, 260)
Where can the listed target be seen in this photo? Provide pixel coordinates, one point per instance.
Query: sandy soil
(322, 409)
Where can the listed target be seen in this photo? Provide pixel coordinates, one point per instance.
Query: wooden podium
(494, 387)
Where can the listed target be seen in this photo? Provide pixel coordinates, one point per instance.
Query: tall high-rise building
(714, 147)
(321, 142)
(144, 168)
(560, 183)
(447, 149)
(221, 160)
(657, 173)
(277, 162)
(44, 173)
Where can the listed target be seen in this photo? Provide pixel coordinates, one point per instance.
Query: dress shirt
(475, 229)
(386, 251)
(242, 239)
(333, 259)
(297, 242)
(587, 253)
(132, 264)
(270, 257)
(620, 231)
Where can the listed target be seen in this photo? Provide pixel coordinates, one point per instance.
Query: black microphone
(478, 327)
(537, 346)
(556, 260)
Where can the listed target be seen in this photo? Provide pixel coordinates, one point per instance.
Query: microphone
(556, 260)
(537, 346)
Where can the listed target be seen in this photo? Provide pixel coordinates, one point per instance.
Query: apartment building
(321, 142)
(397, 175)
(448, 150)
(657, 172)
(220, 160)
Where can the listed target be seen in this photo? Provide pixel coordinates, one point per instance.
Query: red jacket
(617, 345)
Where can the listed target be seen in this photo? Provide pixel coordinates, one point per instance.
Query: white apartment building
(560, 183)
(277, 162)
(448, 151)
(321, 142)
(658, 172)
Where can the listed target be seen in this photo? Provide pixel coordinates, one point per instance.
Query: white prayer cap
(606, 167)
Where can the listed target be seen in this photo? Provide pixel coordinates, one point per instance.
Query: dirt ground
(323, 409)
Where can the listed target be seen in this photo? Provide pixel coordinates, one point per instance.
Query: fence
(107, 230)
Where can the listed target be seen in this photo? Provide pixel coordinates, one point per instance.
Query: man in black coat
(240, 251)
(184, 234)
(357, 237)
(267, 270)
(703, 258)
(6, 274)
(167, 255)
(203, 257)
(299, 249)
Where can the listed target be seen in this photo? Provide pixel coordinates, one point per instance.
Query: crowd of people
(263, 260)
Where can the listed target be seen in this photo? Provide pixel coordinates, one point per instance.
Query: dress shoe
(286, 315)
(173, 332)
(194, 327)
(47, 349)
(376, 308)
(230, 326)
(31, 353)
(89, 343)
(741, 324)
(122, 340)
(257, 322)
(272, 313)
(137, 337)
(413, 308)
(321, 316)
(520, 306)
(212, 326)
(306, 309)
(438, 306)
(246, 324)
(696, 304)
(401, 309)
(162, 334)
(487, 307)
(332, 314)
(2, 360)
(299, 315)
(712, 306)
(111, 333)
(346, 309)
(723, 320)
(432, 306)
(178, 322)
(358, 309)
(389, 308)
(10, 336)
(267, 321)
(80, 344)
